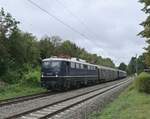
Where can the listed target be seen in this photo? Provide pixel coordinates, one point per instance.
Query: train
(67, 73)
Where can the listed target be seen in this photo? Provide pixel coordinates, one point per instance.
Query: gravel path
(10, 110)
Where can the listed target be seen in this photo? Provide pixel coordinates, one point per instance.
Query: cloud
(111, 26)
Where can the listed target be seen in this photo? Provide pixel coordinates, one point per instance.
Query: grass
(28, 84)
(11, 91)
(131, 104)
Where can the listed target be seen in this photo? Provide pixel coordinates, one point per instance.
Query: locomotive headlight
(56, 74)
(42, 75)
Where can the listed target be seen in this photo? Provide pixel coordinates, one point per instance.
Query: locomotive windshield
(53, 65)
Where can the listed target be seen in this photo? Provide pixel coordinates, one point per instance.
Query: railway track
(51, 110)
(24, 98)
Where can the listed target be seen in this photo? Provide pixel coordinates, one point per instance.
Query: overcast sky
(110, 25)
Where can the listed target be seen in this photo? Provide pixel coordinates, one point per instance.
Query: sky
(110, 27)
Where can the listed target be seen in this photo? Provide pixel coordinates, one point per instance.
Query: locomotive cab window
(53, 65)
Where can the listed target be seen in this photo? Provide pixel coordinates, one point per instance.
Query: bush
(143, 82)
(26, 75)
(32, 77)
(11, 77)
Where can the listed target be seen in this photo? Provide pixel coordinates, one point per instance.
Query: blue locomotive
(65, 73)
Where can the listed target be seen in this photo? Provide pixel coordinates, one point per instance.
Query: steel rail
(81, 101)
(64, 100)
(24, 98)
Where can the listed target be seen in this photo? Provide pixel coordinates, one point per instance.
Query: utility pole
(136, 66)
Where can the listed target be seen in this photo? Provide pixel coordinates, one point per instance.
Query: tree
(17, 49)
(8, 25)
(141, 64)
(131, 69)
(46, 47)
(136, 64)
(122, 66)
(68, 48)
(146, 32)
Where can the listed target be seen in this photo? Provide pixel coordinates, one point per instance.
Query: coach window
(89, 67)
(81, 66)
(77, 65)
(73, 65)
(85, 66)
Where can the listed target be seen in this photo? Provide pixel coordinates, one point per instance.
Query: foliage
(143, 82)
(141, 65)
(129, 105)
(132, 66)
(136, 64)
(11, 77)
(7, 23)
(46, 47)
(32, 77)
(16, 90)
(122, 66)
(146, 32)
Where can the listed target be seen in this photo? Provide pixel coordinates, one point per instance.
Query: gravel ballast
(84, 110)
(10, 110)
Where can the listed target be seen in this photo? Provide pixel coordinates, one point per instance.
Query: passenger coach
(62, 73)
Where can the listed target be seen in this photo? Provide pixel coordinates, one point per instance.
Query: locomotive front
(50, 73)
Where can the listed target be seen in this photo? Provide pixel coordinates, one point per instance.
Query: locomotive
(67, 73)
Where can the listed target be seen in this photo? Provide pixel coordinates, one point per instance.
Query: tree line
(136, 65)
(20, 51)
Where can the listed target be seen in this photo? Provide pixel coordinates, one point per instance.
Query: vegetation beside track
(28, 85)
(131, 104)
(18, 90)
(142, 83)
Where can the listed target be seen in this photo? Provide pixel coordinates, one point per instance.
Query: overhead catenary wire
(82, 22)
(59, 20)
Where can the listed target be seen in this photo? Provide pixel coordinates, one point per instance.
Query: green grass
(11, 91)
(28, 84)
(130, 105)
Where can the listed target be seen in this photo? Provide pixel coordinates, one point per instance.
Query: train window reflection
(54, 65)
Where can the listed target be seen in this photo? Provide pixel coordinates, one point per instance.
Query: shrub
(11, 77)
(32, 77)
(142, 82)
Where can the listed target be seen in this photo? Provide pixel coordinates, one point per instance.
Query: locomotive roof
(81, 62)
(68, 60)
